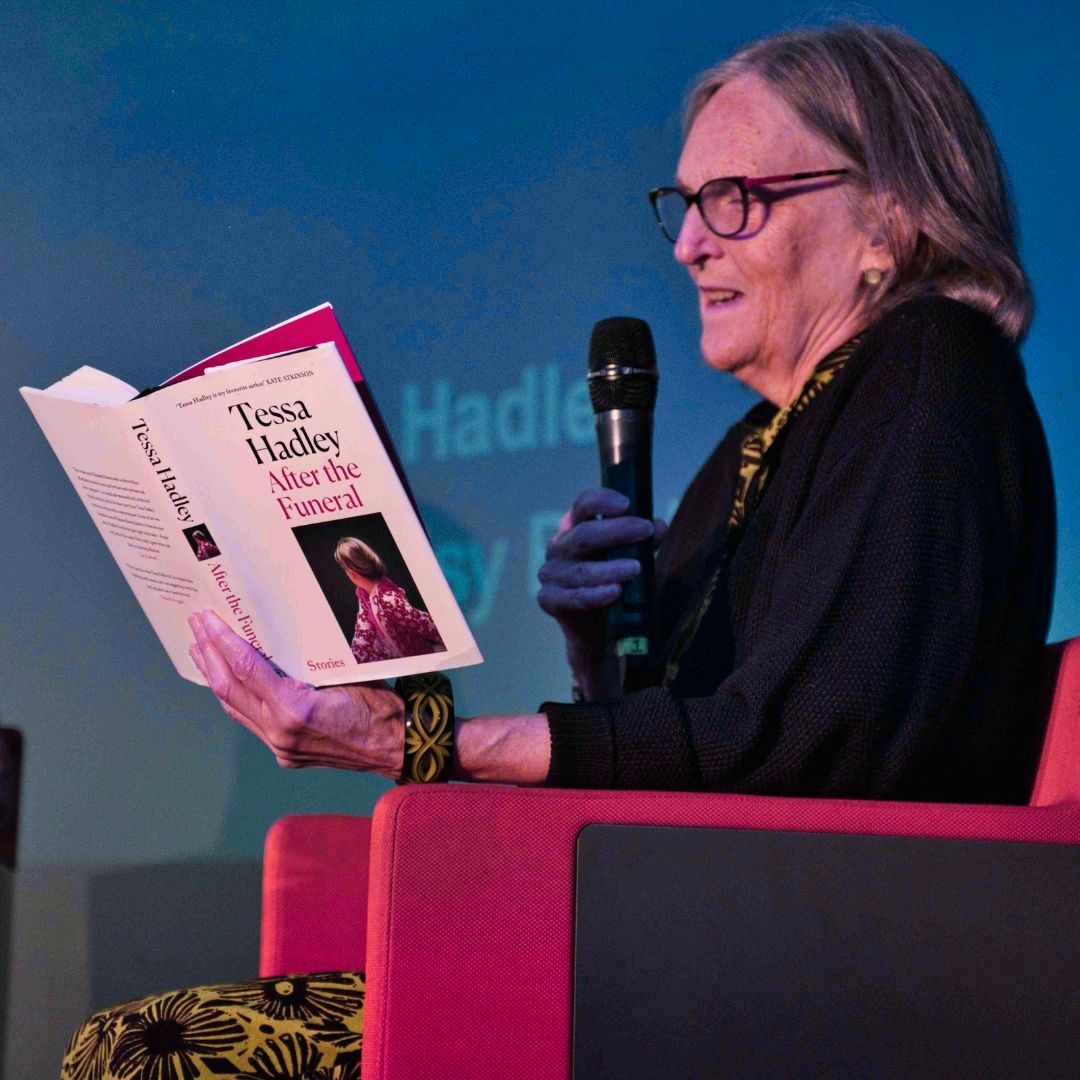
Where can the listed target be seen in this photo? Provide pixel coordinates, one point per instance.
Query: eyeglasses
(724, 203)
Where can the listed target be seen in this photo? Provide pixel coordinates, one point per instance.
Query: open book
(261, 483)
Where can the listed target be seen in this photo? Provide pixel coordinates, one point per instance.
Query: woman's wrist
(386, 730)
(502, 749)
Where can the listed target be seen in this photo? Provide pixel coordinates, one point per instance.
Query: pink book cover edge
(311, 328)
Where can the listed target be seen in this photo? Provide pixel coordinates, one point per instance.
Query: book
(261, 482)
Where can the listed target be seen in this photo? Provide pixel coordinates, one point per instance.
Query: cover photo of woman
(369, 588)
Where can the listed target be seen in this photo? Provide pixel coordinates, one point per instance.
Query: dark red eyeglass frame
(743, 183)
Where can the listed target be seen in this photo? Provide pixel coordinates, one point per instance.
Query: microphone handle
(625, 437)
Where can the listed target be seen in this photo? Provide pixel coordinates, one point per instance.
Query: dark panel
(11, 752)
(196, 922)
(704, 952)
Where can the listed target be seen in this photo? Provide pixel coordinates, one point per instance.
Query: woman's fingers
(197, 658)
(220, 679)
(576, 578)
(574, 575)
(557, 600)
(245, 662)
(598, 502)
(590, 537)
(215, 669)
(240, 676)
(580, 580)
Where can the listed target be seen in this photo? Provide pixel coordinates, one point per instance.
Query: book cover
(261, 483)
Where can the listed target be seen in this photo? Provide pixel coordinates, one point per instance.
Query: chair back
(1058, 778)
(315, 884)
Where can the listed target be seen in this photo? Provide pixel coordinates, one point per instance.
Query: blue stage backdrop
(466, 183)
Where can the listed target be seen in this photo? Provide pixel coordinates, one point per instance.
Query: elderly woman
(854, 593)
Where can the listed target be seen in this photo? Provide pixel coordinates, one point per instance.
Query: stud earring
(872, 276)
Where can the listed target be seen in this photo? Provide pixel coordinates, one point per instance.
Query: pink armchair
(467, 893)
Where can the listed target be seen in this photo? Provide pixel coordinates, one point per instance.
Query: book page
(92, 386)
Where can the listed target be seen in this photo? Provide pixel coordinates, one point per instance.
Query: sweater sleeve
(893, 598)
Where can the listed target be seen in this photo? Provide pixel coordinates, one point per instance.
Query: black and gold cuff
(429, 727)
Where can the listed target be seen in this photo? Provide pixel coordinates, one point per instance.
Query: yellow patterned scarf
(754, 462)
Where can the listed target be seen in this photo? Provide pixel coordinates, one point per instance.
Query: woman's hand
(344, 727)
(578, 585)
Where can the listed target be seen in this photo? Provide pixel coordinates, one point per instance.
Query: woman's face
(777, 299)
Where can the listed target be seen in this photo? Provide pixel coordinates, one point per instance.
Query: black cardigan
(878, 629)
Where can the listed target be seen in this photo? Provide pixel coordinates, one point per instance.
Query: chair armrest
(471, 908)
(314, 903)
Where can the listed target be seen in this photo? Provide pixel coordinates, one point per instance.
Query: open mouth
(719, 297)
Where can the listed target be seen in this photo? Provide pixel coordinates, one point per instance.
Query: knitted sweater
(877, 629)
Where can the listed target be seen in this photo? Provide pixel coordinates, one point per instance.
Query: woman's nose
(695, 239)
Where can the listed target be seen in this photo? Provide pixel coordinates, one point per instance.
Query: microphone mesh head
(622, 365)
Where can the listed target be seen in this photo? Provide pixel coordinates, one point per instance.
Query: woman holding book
(854, 594)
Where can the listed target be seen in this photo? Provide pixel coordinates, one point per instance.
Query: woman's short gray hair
(914, 138)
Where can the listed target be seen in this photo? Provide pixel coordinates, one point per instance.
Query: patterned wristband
(429, 727)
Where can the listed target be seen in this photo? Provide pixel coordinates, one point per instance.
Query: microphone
(622, 386)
